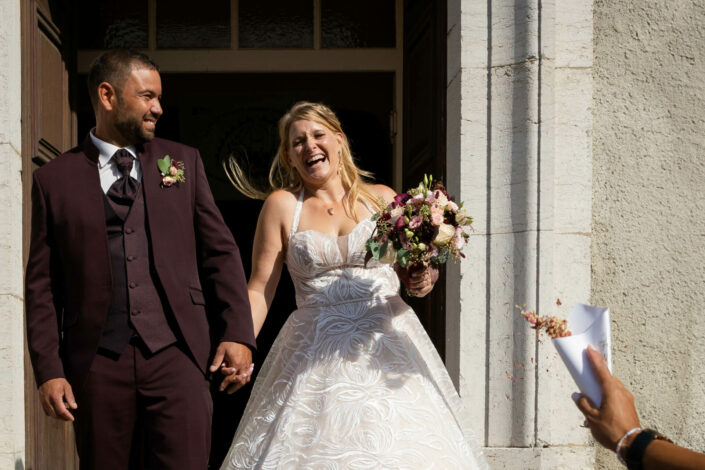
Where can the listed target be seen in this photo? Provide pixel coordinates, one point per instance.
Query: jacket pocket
(197, 296)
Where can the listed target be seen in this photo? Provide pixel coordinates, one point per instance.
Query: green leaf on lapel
(164, 164)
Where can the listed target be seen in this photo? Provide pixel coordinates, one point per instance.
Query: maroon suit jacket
(68, 285)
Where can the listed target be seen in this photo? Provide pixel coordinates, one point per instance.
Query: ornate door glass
(188, 25)
(272, 24)
(363, 23)
(112, 23)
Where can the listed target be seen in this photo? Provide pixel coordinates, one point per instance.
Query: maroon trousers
(143, 410)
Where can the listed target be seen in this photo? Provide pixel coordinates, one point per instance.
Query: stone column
(519, 155)
(12, 433)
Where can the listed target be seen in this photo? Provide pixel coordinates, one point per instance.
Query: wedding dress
(352, 380)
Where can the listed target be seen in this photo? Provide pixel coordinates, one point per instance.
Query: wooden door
(424, 124)
(48, 128)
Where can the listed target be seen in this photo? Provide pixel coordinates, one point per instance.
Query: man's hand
(617, 414)
(418, 281)
(56, 397)
(235, 362)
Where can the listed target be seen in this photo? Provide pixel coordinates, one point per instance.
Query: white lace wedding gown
(353, 380)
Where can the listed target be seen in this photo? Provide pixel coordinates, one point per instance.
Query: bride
(352, 380)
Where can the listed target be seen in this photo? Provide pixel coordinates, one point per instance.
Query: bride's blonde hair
(283, 176)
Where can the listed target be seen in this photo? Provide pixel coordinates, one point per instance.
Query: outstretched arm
(224, 278)
(617, 416)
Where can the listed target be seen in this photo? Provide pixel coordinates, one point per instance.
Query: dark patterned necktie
(123, 191)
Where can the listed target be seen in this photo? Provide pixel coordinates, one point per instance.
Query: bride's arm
(268, 255)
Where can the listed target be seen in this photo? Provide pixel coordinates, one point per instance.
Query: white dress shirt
(107, 168)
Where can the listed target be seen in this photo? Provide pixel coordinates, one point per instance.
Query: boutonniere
(172, 171)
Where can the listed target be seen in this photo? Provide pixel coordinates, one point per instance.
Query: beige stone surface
(559, 457)
(12, 443)
(519, 154)
(648, 252)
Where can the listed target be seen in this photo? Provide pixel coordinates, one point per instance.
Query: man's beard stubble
(129, 127)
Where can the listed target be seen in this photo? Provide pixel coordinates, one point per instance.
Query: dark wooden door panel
(424, 126)
(48, 128)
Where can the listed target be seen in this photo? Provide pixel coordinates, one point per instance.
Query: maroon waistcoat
(137, 304)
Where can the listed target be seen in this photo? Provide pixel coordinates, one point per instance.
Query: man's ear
(107, 96)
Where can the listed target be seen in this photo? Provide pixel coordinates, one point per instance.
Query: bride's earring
(340, 164)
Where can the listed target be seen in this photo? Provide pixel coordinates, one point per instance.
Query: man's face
(138, 106)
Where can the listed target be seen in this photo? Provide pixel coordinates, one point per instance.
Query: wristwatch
(636, 450)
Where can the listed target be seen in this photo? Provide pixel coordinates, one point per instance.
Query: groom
(131, 274)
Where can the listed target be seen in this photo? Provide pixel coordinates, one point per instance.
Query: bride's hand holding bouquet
(417, 232)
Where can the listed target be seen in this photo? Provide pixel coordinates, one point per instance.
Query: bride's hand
(418, 282)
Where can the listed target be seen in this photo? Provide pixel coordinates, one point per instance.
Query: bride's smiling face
(314, 150)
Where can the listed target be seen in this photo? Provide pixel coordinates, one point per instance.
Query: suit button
(131, 258)
(133, 285)
(129, 230)
(135, 312)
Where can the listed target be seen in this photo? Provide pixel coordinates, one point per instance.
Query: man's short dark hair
(113, 67)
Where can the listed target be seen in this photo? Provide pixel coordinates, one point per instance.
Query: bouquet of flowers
(421, 226)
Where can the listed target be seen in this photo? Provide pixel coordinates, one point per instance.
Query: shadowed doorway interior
(237, 114)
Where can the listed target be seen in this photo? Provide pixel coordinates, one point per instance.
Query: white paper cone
(589, 326)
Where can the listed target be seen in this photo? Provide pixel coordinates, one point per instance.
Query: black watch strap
(636, 450)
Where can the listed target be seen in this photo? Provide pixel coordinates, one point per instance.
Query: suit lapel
(90, 192)
(89, 198)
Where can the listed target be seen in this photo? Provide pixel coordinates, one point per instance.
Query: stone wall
(648, 252)
(519, 154)
(11, 292)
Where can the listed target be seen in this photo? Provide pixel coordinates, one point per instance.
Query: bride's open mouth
(315, 160)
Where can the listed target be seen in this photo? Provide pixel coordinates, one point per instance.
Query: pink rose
(436, 215)
(415, 222)
(173, 171)
(441, 199)
(394, 215)
(458, 239)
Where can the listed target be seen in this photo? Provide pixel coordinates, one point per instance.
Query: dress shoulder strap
(368, 206)
(297, 213)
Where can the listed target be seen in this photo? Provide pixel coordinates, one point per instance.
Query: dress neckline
(334, 237)
(297, 214)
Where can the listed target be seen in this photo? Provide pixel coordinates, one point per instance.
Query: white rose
(451, 206)
(397, 211)
(461, 217)
(444, 235)
(441, 199)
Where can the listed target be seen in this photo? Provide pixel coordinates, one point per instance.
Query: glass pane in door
(362, 23)
(112, 23)
(276, 24)
(193, 25)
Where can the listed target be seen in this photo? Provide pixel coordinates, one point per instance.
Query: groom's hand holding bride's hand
(56, 397)
(234, 360)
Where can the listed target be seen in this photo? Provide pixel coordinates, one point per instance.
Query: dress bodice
(329, 270)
